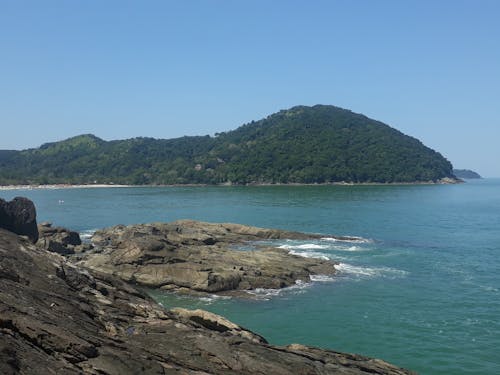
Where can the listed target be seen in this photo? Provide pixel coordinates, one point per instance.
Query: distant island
(466, 173)
(301, 145)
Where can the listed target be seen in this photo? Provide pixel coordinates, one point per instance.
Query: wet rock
(19, 216)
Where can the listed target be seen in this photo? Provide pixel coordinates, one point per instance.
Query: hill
(318, 144)
(466, 173)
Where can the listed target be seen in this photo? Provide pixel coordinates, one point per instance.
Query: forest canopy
(318, 144)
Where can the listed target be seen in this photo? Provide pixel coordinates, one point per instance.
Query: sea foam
(351, 239)
(321, 278)
(86, 235)
(305, 246)
(212, 298)
(361, 272)
(267, 294)
(309, 254)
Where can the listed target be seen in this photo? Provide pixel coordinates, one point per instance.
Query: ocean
(419, 287)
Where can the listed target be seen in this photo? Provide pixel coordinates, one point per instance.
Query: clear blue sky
(163, 69)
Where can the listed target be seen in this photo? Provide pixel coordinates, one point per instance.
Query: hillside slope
(466, 173)
(318, 144)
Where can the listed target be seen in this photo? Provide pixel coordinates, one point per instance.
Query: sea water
(419, 287)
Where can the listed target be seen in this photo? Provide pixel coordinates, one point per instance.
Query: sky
(164, 69)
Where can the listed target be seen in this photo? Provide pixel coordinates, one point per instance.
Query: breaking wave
(309, 254)
(349, 239)
(212, 298)
(322, 278)
(362, 272)
(267, 294)
(86, 235)
(305, 246)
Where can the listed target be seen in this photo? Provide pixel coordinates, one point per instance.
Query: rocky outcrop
(189, 255)
(216, 322)
(60, 240)
(56, 317)
(19, 216)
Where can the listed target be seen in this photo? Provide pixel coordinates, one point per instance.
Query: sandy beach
(341, 183)
(59, 186)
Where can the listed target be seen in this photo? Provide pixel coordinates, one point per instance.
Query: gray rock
(57, 318)
(59, 240)
(19, 216)
(200, 257)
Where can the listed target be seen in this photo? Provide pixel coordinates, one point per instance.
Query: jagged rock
(19, 216)
(59, 240)
(56, 317)
(200, 257)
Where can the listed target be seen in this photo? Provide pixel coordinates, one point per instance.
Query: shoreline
(97, 186)
(60, 186)
(51, 321)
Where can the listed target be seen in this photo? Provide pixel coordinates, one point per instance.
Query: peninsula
(466, 173)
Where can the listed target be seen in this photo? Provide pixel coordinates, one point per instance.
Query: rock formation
(60, 240)
(197, 256)
(56, 317)
(19, 216)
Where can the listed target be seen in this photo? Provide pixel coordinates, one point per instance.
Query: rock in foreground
(60, 240)
(198, 256)
(19, 216)
(58, 318)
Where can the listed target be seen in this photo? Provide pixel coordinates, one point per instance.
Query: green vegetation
(317, 144)
(466, 173)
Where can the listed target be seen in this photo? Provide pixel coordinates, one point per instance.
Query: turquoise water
(420, 290)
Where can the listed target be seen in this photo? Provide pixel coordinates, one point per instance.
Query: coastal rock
(449, 181)
(201, 257)
(58, 240)
(216, 322)
(19, 216)
(56, 317)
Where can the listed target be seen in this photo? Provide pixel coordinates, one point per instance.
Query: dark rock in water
(57, 318)
(197, 256)
(19, 216)
(58, 240)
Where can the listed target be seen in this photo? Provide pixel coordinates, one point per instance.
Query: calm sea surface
(419, 289)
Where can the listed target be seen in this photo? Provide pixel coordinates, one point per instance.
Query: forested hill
(466, 173)
(318, 144)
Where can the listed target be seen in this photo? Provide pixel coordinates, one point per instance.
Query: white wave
(345, 268)
(352, 239)
(86, 235)
(305, 246)
(266, 294)
(309, 254)
(348, 248)
(212, 298)
(321, 278)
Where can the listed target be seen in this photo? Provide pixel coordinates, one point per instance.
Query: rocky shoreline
(60, 317)
(193, 256)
